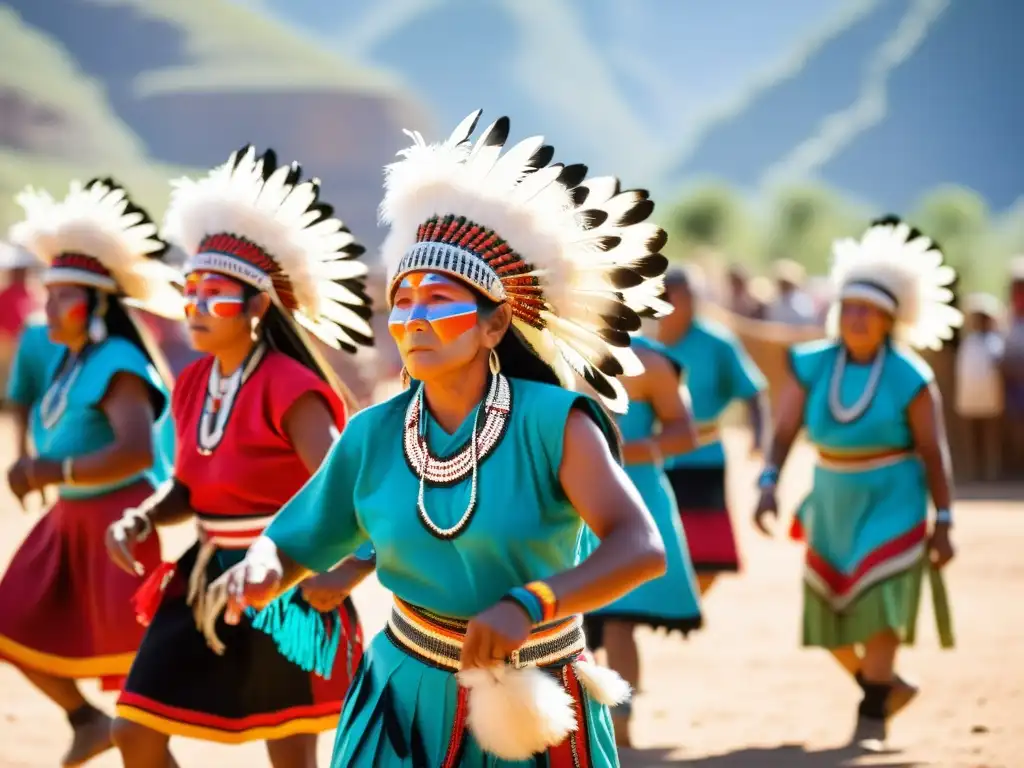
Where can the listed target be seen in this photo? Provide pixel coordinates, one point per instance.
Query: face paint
(447, 319)
(212, 295)
(77, 313)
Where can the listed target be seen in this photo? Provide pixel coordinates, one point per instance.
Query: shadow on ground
(785, 756)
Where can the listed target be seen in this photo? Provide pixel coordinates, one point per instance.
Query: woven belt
(437, 640)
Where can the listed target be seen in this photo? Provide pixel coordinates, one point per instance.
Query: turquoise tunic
(671, 601)
(524, 528)
(32, 362)
(83, 428)
(718, 372)
(864, 519)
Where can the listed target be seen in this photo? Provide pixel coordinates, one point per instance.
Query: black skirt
(701, 497)
(179, 687)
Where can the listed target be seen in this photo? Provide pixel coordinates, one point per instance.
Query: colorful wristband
(546, 596)
(528, 601)
(769, 478)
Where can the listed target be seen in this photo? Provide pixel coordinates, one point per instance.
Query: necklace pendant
(215, 404)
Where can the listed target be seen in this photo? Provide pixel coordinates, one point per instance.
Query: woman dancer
(657, 424)
(474, 486)
(872, 409)
(254, 418)
(64, 608)
(719, 372)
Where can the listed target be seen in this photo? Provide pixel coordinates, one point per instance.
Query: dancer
(872, 409)
(719, 372)
(658, 424)
(254, 419)
(64, 608)
(477, 512)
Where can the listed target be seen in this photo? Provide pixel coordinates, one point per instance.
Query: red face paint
(212, 295)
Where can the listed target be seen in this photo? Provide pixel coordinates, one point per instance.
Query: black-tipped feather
(592, 218)
(572, 175)
(651, 265)
(624, 277)
(638, 213)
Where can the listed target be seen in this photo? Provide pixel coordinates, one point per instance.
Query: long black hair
(121, 324)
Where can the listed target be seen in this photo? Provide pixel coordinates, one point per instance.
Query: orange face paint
(447, 319)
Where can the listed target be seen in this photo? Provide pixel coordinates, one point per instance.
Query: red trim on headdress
(247, 251)
(525, 296)
(80, 261)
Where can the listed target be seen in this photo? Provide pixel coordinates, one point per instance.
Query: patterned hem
(175, 721)
(112, 666)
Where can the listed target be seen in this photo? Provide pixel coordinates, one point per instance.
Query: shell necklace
(55, 401)
(848, 414)
(220, 400)
(496, 408)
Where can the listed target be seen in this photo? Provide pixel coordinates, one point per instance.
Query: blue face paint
(448, 319)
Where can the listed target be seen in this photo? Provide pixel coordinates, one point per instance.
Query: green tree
(804, 220)
(711, 215)
(957, 219)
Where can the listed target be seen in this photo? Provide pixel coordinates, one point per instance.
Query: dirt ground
(739, 694)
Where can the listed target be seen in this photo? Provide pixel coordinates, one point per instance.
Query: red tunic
(254, 470)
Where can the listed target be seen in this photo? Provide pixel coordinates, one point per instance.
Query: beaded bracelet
(546, 596)
(769, 477)
(529, 602)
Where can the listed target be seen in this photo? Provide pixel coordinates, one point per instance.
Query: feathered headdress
(258, 222)
(97, 237)
(898, 269)
(575, 259)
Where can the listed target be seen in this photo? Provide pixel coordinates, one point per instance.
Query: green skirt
(891, 604)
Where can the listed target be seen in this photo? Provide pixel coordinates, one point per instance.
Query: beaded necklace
(847, 414)
(466, 461)
(55, 401)
(220, 400)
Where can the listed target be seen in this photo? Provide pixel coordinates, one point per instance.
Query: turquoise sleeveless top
(884, 425)
(83, 427)
(718, 372)
(523, 527)
(27, 380)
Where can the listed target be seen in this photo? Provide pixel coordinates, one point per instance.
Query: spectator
(739, 299)
(792, 305)
(979, 386)
(1013, 366)
(18, 300)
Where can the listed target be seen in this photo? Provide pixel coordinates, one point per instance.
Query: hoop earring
(406, 378)
(494, 362)
(254, 325)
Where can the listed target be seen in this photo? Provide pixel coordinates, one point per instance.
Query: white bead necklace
(220, 401)
(848, 414)
(55, 401)
(466, 461)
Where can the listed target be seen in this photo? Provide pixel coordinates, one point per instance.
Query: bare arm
(631, 550)
(929, 430)
(789, 422)
(671, 404)
(20, 413)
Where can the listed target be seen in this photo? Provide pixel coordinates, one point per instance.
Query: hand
(121, 538)
(766, 507)
(250, 583)
(326, 591)
(28, 474)
(940, 546)
(492, 635)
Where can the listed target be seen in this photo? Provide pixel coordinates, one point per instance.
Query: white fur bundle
(516, 713)
(909, 266)
(588, 244)
(99, 220)
(251, 197)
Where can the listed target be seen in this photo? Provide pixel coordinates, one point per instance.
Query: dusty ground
(739, 694)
